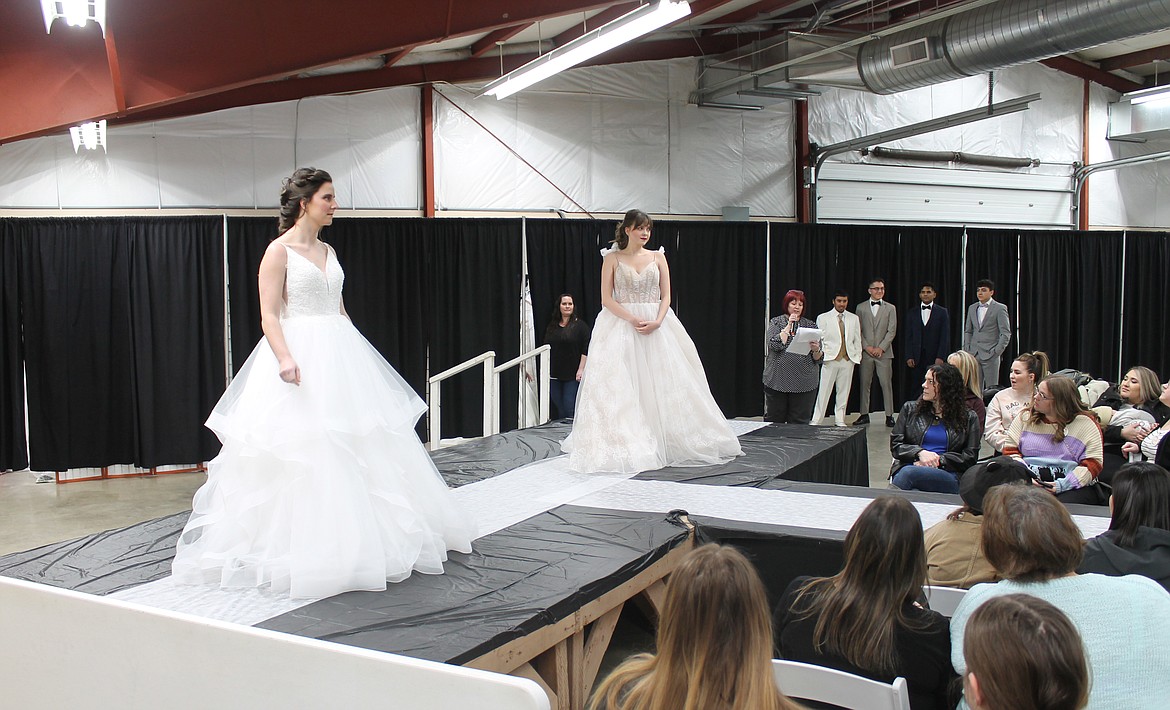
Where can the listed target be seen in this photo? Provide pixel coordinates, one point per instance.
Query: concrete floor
(34, 514)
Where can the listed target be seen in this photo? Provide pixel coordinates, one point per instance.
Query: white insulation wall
(609, 138)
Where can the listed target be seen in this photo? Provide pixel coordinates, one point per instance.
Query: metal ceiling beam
(1133, 59)
(607, 15)
(1068, 65)
(489, 42)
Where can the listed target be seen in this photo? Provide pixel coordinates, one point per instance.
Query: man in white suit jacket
(879, 323)
(841, 345)
(987, 331)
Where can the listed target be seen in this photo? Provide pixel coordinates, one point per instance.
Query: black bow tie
(926, 308)
(875, 303)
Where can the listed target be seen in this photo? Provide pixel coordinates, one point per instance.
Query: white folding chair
(944, 600)
(803, 681)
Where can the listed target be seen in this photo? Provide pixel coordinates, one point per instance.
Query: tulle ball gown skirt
(321, 488)
(644, 401)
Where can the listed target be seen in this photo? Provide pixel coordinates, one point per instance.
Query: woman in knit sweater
(1057, 433)
(1124, 621)
(1027, 371)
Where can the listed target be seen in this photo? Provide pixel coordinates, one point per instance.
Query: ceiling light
(75, 12)
(90, 135)
(628, 27)
(1145, 96)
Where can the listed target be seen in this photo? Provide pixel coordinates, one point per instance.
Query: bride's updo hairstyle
(303, 184)
(632, 220)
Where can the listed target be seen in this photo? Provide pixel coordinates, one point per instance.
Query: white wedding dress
(644, 401)
(324, 487)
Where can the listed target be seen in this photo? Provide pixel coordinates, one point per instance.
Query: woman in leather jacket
(936, 437)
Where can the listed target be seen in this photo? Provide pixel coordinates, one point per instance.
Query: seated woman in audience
(936, 437)
(1024, 654)
(972, 383)
(1061, 440)
(1027, 372)
(1138, 539)
(1138, 411)
(1032, 540)
(865, 620)
(1151, 440)
(714, 646)
(954, 556)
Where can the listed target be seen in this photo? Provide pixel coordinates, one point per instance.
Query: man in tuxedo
(928, 338)
(841, 345)
(879, 323)
(987, 331)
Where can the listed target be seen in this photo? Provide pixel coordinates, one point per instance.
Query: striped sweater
(1082, 444)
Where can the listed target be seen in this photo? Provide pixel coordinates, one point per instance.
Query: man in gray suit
(987, 331)
(879, 323)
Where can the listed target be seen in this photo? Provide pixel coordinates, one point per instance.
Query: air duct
(1002, 35)
(991, 36)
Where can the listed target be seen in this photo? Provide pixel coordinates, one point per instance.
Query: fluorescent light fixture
(628, 27)
(75, 12)
(1145, 96)
(89, 135)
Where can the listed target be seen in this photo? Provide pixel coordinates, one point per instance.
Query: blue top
(1124, 622)
(935, 439)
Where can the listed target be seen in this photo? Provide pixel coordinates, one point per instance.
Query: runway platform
(559, 553)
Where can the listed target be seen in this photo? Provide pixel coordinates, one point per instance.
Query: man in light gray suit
(879, 323)
(841, 345)
(987, 331)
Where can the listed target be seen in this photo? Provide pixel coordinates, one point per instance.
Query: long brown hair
(860, 609)
(297, 188)
(714, 644)
(1025, 654)
(1066, 405)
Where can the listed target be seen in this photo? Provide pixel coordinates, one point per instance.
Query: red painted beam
(115, 70)
(1085, 71)
(763, 8)
(608, 15)
(428, 149)
(1133, 59)
(489, 42)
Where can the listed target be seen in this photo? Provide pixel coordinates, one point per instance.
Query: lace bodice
(629, 286)
(310, 291)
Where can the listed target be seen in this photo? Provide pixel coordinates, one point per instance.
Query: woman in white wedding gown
(644, 401)
(322, 485)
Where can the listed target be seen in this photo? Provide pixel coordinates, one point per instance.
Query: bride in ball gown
(644, 401)
(322, 485)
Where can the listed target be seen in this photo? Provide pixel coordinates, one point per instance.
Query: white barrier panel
(62, 649)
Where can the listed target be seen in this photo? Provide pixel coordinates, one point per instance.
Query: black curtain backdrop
(995, 254)
(473, 298)
(248, 237)
(564, 256)
(13, 446)
(1146, 337)
(123, 333)
(717, 291)
(1070, 287)
(819, 259)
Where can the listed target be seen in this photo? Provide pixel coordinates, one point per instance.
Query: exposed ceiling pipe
(1002, 35)
(951, 156)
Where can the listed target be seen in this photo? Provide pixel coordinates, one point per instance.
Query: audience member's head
(1141, 498)
(943, 393)
(969, 368)
(1023, 654)
(860, 609)
(714, 646)
(982, 477)
(1057, 402)
(1140, 386)
(1028, 370)
(1028, 536)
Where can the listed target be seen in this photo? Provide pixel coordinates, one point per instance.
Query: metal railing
(491, 390)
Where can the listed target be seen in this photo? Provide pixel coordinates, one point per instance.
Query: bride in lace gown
(322, 485)
(644, 402)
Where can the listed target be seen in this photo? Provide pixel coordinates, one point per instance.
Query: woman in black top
(569, 337)
(1138, 539)
(865, 620)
